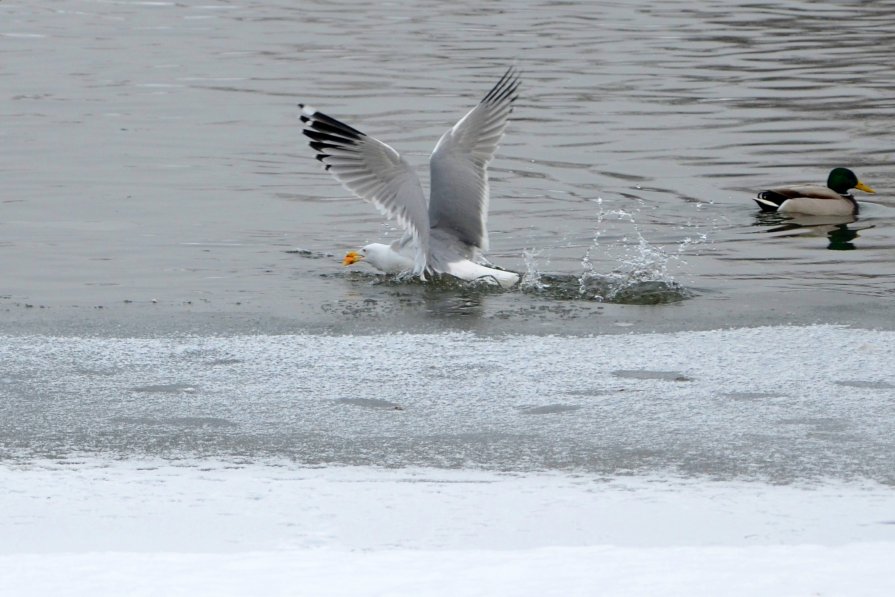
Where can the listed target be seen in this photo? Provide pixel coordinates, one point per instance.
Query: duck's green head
(842, 180)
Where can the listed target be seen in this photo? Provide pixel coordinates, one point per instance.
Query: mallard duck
(448, 233)
(813, 199)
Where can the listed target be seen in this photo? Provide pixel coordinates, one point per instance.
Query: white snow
(854, 571)
(94, 527)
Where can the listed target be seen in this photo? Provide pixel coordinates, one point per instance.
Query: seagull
(447, 236)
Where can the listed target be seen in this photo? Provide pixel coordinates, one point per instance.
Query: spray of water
(641, 272)
(641, 267)
(531, 279)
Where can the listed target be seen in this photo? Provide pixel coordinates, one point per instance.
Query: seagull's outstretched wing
(374, 172)
(458, 203)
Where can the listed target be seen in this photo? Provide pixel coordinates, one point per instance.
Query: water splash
(587, 267)
(642, 274)
(531, 279)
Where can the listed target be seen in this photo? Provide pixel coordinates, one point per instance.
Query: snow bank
(790, 571)
(203, 528)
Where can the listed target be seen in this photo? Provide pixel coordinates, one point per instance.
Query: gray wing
(374, 172)
(458, 203)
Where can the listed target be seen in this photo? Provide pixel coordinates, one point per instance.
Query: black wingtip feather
(499, 85)
(505, 87)
(324, 122)
(321, 146)
(327, 134)
(509, 92)
(327, 137)
(328, 128)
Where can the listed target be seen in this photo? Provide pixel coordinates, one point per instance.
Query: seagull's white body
(447, 234)
(391, 260)
(386, 259)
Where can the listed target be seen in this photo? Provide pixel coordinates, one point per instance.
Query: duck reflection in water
(839, 230)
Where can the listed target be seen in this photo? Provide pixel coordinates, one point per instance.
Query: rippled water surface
(170, 249)
(150, 151)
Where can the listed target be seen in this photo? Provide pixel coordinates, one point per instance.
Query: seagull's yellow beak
(863, 187)
(352, 257)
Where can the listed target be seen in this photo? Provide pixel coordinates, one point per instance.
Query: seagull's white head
(380, 256)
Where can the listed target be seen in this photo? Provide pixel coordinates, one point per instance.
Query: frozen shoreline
(791, 571)
(97, 505)
(613, 465)
(781, 404)
(95, 527)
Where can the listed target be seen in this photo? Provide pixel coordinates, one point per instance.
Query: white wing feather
(458, 202)
(374, 172)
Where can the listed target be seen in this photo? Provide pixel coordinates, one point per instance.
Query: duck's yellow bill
(863, 187)
(351, 257)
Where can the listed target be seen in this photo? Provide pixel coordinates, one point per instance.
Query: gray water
(154, 182)
(151, 151)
